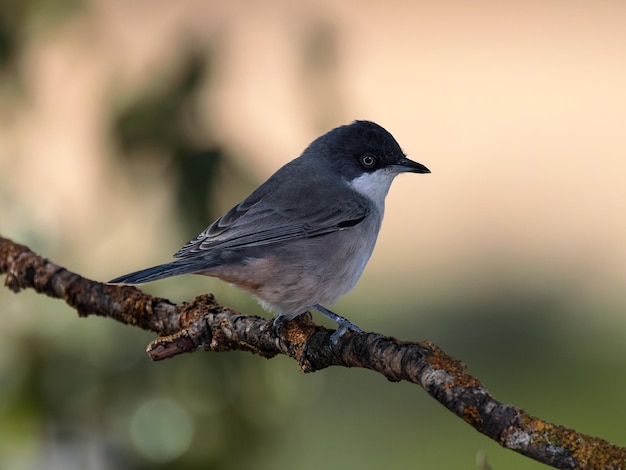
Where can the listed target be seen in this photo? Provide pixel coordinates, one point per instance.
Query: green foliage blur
(81, 393)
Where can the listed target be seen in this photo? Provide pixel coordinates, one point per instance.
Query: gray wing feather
(255, 223)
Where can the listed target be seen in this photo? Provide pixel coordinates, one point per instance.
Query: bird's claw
(343, 325)
(278, 325)
(342, 329)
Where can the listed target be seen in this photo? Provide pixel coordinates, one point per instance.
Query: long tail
(155, 273)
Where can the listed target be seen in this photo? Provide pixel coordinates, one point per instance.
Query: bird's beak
(405, 165)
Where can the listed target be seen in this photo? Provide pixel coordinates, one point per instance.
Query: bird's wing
(256, 222)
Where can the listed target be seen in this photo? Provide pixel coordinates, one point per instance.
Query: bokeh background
(126, 127)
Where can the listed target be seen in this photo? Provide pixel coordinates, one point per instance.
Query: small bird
(302, 239)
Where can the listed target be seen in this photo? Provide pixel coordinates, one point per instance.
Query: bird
(301, 240)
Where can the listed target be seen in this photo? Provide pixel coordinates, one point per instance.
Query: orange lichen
(452, 366)
(472, 416)
(584, 449)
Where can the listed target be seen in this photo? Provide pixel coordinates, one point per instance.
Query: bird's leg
(344, 324)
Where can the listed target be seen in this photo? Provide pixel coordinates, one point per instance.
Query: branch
(204, 324)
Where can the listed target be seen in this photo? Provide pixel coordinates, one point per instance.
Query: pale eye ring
(368, 160)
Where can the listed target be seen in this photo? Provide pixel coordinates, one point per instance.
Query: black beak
(405, 165)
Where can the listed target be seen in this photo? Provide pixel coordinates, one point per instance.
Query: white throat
(374, 186)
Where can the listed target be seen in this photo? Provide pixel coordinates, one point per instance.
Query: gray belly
(294, 275)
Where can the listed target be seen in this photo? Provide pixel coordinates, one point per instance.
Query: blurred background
(126, 127)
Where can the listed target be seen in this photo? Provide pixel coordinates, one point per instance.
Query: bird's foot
(278, 325)
(344, 325)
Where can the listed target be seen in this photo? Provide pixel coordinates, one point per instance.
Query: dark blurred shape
(17, 15)
(164, 119)
(8, 32)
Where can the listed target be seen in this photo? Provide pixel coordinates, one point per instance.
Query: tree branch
(204, 324)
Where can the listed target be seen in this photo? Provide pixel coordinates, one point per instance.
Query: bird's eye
(368, 161)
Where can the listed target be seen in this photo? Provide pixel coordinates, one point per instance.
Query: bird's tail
(155, 273)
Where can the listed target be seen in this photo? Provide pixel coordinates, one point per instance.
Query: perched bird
(302, 238)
